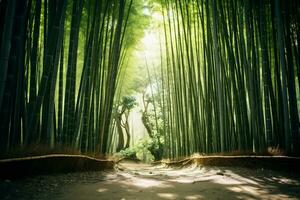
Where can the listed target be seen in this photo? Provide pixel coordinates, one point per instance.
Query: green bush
(128, 153)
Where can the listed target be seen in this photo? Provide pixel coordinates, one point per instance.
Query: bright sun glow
(150, 39)
(146, 11)
(145, 58)
(150, 48)
(157, 16)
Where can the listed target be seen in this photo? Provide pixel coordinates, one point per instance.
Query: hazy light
(146, 11)
(150, 39)
(146, 56)
(157, 16)
(150, 48)
(138, 130)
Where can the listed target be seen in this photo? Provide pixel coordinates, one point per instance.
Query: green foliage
(124, 106)
(128, 153)
(129, 102)
(146, 149)
(155, 147)
(137, 23)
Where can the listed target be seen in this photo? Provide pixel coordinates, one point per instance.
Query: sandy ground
(142, 181)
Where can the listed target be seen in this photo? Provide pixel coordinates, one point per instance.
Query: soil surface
(132, 180)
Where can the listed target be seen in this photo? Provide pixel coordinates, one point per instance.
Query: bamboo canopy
(229, 76)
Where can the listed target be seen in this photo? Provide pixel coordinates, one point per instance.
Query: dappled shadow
(281, 184)
(138, 181)
(142, 182)
(134, 186)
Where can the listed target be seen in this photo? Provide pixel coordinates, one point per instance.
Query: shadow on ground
(140, 181)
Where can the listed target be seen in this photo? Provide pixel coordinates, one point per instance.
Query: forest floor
(133, 180)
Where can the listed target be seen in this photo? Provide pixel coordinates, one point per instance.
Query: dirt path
(141, 181)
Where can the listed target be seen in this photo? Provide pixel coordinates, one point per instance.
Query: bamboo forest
(181, 99)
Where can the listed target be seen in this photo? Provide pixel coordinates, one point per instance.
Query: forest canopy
(223, 76)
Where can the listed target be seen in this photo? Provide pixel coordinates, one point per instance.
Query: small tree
(155, 144)
(121, 115)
